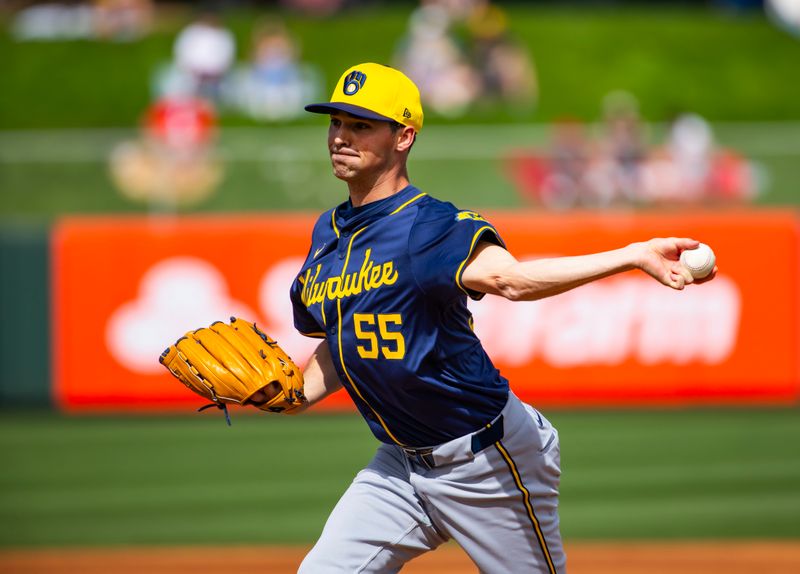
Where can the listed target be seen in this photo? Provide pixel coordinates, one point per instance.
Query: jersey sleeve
(439, 248)
(304, 321)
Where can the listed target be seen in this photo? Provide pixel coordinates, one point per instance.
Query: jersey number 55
(378, 337)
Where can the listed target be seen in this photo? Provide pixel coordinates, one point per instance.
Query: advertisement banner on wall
(125, 288)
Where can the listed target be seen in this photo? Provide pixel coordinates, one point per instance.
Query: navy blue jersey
(382, 284)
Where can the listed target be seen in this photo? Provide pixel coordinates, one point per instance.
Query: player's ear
(405, 138)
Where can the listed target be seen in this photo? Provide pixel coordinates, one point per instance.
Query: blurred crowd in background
(458, 52)
(271, 84)
(613, 163)
(461, 53)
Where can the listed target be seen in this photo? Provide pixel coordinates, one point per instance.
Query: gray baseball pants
(498, 501)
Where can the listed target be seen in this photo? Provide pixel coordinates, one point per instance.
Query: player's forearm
(320, 376)
(541, 278)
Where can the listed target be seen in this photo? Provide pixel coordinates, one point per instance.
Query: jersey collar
(348, 217)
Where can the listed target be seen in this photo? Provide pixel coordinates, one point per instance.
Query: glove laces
(222, 406)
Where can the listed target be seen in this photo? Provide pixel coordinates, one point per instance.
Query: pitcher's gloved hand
(236, 364)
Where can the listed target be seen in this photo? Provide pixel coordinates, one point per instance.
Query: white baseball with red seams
(700, 262)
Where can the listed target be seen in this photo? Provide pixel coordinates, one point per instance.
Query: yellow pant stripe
(526, 497)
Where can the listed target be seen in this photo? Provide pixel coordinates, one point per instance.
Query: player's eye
(363, 126)
(336, 122)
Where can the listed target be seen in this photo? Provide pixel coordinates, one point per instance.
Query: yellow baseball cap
(375, 92)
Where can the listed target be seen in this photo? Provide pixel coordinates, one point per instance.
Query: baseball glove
(228, 364)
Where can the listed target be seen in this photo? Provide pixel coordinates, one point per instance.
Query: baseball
(700, 262)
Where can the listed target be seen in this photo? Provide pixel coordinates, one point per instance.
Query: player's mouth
(344, 152)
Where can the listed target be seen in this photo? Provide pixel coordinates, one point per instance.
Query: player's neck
(385, 185)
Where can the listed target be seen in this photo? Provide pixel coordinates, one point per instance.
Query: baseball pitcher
(385, 287)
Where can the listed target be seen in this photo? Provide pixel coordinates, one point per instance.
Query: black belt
(480, 440)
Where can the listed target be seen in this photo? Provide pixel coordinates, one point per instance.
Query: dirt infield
(584, 558)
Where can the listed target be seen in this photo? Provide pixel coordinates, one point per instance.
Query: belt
(479, 441)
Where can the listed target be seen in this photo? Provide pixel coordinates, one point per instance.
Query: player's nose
(339, 135)
(339, 143)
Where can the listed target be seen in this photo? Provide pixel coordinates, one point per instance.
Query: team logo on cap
(354, 81)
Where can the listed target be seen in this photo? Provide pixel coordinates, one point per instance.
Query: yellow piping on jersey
(410, 201)
(469, 254)
(526, 497)
(349, 248)
(341, 354)
(339, 307)
(355, 388)
(333, 223)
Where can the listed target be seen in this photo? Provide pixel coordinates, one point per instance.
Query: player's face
(360, 148)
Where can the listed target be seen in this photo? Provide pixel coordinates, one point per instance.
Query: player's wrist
(636, 255)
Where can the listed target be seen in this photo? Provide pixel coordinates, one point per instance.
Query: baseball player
(385, 285)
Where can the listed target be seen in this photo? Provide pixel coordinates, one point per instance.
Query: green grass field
(696, 474)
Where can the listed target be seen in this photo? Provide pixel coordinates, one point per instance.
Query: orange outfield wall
(124, 288)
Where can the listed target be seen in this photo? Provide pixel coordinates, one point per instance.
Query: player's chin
(343, 171)
(344, 176)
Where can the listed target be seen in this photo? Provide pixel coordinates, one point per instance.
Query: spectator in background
(506, 70)
(180, 126)
(691, 168)
(123, 20)
(53, 22)
(457, 10)
(275, 84)
(488, 66)
(430, 56)
(173, 163)
(570, 152)
(203, 53)
(679, 170)
(621, 168)
(785, 14)
(690, 145)
(317, 8)
(615, 171)
(118, 20)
